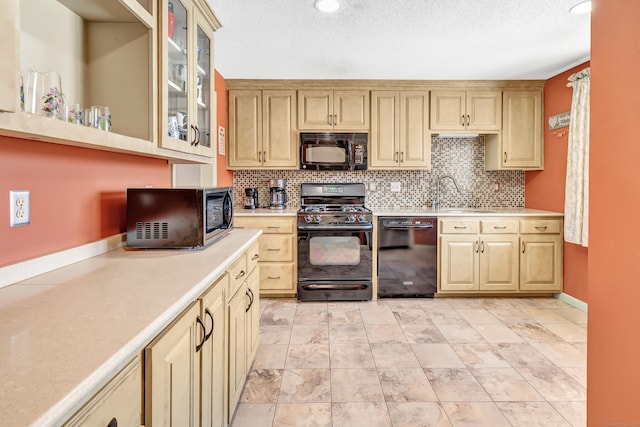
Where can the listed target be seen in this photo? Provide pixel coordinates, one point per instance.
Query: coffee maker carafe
(251, 198)
(277, 194)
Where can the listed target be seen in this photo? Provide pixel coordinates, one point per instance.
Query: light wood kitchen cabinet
(460, 110)
(253, 316)
(333, 110)
(277, 253)
(118, 403)
(520, 145)
(187, 96)
(400, 136)
(172, 373)
(479, 255)
(541, 255)
(262, 129)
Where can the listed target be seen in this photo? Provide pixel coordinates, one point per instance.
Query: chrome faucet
(436, 200)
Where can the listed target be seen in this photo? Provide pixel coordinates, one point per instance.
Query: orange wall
(613, 355)
(545, 189)
(225, 177)
(77, 195)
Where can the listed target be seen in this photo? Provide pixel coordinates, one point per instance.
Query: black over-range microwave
(178, 218)
(333, 151)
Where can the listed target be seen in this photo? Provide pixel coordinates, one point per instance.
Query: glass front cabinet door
(187, 92)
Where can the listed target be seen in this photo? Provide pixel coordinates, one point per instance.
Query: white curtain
(576, 202)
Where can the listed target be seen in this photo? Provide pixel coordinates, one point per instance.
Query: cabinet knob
(242, 273)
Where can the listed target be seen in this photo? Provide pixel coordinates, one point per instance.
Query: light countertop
(265, 211)
(442, 212)
(65, 333)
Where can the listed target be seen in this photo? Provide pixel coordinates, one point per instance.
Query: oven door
(334, 262)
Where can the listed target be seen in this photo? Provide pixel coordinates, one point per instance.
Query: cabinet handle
(477, 245)
(330, 119)
(524, 246)
(264, 156)
(273, 249)
(113, 422)
(402, 157)
(204, 333)
(463, 123)
(273, 278)
(468, 120)
(242, 273)
(249, 293)
(505, 157)
(541, 227)
(395, 156)
(457, 227)
(255, 257)
(482, 247)
(273, 227)
(259, 156)
(335, 119)
(499, 228)
(193, 141)
(197, 135)
(213, 324)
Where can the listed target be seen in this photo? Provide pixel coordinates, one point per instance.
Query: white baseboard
(572, 301)
(34, 267)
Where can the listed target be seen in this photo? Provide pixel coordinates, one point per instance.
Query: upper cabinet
(107, 53)
(187, 96)
(459, 110)
(337, 110)
(262, 129)
(520, 144)
(400, 136)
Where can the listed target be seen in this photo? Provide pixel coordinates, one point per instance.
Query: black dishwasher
(407, 257)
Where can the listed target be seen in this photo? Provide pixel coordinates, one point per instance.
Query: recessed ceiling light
(582, 7)
(327, 6)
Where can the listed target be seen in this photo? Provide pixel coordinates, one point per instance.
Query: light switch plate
(395, 187)
(19, 208)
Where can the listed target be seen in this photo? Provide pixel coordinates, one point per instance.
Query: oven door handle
(316, 227)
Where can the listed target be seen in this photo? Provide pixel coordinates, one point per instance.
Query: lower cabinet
(497, 255)
(119, 403)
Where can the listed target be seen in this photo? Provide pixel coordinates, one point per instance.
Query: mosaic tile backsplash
(461, 158)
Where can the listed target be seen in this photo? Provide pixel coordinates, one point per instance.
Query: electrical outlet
(19, 207)
(372, 186)
(395, 187)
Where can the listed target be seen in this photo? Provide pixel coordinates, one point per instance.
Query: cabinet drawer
(237, 273)
(498, 226)
(120, 399)
(459, 226)
(273, 225)
(276, 247)
(276, 277)
(540, 226)
(253, 255)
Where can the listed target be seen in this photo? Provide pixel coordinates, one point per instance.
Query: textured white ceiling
(400, 39)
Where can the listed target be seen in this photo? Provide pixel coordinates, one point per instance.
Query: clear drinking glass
(31, 80)
(73, 113)
(101, 117)
(51, 102)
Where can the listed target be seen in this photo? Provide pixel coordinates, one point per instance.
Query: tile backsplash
(461, 158)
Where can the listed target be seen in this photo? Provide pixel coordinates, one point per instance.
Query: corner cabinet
(459, 110)
(262, 129)
(333, 110)
(520, 144)
(400, 136)
(186, 72)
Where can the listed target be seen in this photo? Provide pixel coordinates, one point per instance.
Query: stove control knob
(318, 218)
(308, 218)
(351, 218)
(362, 218)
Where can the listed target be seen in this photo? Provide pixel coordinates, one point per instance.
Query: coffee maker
(277, 194)
(251, 198)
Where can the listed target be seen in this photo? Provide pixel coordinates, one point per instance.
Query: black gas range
(334, 243)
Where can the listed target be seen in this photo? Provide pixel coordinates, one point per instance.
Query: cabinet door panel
(245, 128)
(447, 109)
(314, 109)
(253, 317)
(415, 138)
(237, 372)
(277, 277)
(499, 263)
(459, 262)
(522, 129)
(541, 263)
(384, 129)
(484, 110)
(351, 110)
(279, 128)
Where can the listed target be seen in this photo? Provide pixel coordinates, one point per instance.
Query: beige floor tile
(410, 316)
(388, 333)
(522, 355)
(317, 315)
(533, 332)
(568, 331)
(445, 316)
(466, 302)
(275, 334)
(309, 334)
(417, 414)
(422, 332)
(305, 385)
(544, 315)
(580, 346)
(270, 356)
(355, 385)
(262, 386)
(538, 414)
(271, 316)
(475, 414)
(404, 304)
(346, 315)
(477, 315)
(496, 333)
(578, 374)
(574, 412)
(562, 354)
(510, 315)
(456, 385)
(459, 333)
(348, 333)
(303, 415)
(394, 356)
(554, 384)
(437, 356)
(369, 414)
(573, 315)
(254, 415)
(406, 385)
(505, 384)
(480, 356)
(378, 316)
(351, 356)
(307, 356)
